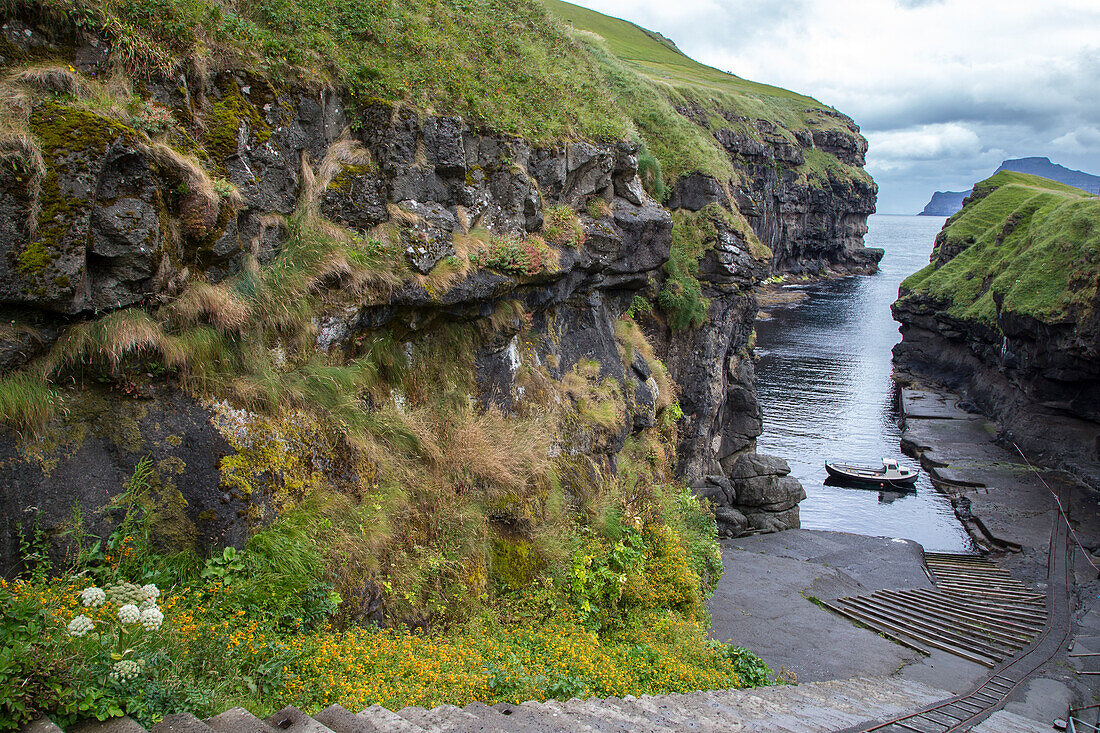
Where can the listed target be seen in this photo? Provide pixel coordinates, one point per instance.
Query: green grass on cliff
(658, 58)
(509, 66)
(651, 78)
(542, 70)
(1032, 243)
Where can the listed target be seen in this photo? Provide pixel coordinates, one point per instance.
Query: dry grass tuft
(632, 340)
(59, 79)
(599, 402)
(20, 152)
(215, 304)
(110, 339)
(494, 451)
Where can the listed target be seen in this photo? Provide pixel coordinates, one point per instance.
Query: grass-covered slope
(507, 65)
(653, 81)
(658, 58)
(1029, 242)
(544, 71)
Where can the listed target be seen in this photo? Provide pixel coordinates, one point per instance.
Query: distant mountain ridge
(946, 203)
(1044, 168)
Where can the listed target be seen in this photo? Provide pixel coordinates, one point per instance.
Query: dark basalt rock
(428, 240)
(1041, 381)
(110, 249)
(356, 199)
(87, 456)
(695, 191)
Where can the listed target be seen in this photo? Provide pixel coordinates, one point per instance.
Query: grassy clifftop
(658, 58)
(653, 82)
(1032, 243)
(544, 71)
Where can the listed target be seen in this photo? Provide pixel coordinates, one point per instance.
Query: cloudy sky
(944, 90)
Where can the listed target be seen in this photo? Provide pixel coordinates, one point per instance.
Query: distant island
(946, 203)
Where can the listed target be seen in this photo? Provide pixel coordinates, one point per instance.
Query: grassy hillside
(1033, 241)
(650, 78)
(657, 58)
(545, 71)
(509, 66)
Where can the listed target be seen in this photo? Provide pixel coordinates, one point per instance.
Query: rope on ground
(1061, 509)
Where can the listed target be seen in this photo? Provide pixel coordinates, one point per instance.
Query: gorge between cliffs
(543, 252)
(329, 341)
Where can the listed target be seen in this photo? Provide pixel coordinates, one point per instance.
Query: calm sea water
(824, 380)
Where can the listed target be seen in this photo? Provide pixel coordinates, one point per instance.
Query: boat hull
(870, 477)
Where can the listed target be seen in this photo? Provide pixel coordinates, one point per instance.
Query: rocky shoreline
(1007, 505)
(1008, 511)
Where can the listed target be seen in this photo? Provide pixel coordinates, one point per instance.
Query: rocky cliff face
(124, 264)
(1025, 347)
(813, 217)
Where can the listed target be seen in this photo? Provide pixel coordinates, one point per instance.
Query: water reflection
(823, 373)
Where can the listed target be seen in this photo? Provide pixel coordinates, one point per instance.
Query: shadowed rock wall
(118, 225)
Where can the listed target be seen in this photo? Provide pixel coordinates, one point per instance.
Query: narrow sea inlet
(823, 373)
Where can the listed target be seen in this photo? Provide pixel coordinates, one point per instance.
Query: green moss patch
(73, 140)
(224, 122)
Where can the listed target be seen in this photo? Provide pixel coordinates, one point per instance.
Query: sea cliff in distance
(946, 203)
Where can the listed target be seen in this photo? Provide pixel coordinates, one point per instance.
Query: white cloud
(929, 81)
(927, 142)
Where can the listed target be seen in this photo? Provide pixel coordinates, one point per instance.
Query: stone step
(700, 707)
(292, 720)
(112, 725)
(41, 725)
(181, 723)
(608, 716)
(238, 720)
(341, 720)
(388, 721)
(490, 718)
(678, 719)
(533, 717)
(695, 707)
(444, 718)
(807, 708)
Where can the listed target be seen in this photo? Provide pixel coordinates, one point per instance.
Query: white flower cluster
(93, 597)
(137, 604)
(81, 625)
(152, 618)
(126, 670)
(129, 614)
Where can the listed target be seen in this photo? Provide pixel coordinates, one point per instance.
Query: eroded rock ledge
(123, 221)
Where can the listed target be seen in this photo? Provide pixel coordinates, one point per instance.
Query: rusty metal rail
(1018, 620)
(978, 611)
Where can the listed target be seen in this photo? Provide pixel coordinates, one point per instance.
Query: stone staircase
(806, 708)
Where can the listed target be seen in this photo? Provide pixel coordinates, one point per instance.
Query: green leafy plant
(224, 566)
(638, 306)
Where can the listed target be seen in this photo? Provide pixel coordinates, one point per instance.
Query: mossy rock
(49, 269)
(515, 561)
(226, 120)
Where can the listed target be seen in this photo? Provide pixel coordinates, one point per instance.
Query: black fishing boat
(890, 473)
